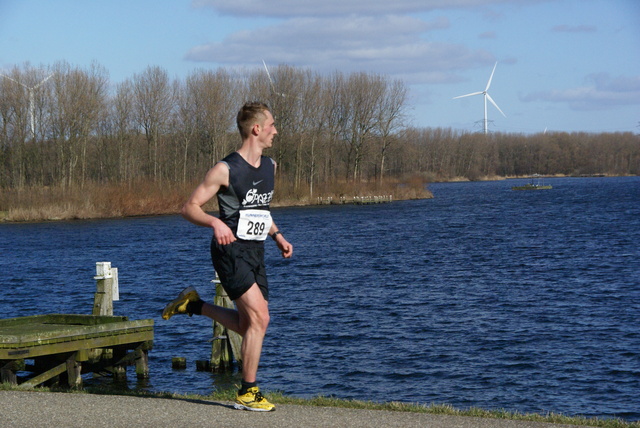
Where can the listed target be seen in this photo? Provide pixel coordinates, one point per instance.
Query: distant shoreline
(119, 203)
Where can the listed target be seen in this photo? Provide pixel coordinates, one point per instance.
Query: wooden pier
(72, 344)
(59, 348)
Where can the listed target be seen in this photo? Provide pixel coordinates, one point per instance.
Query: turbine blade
(269, 76)
(14, 80)
(495, 105)
(468, 95)
(41, 83)
(491, 78)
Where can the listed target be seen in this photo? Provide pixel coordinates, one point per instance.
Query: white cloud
(487, 35)
(391, 37)
(601, 92)
(390, 44)
(575, 29)
(291, 8)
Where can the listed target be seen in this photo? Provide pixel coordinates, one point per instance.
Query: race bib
(254, 225)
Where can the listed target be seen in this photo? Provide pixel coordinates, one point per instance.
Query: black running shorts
(240, 265)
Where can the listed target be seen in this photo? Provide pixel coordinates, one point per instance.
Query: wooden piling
(226, 344)
(203, 365)
(141, 355)
(74, 371)
(106, 280)
(178, 363)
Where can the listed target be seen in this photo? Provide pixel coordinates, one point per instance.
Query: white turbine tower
(32, 108)
(486, 96)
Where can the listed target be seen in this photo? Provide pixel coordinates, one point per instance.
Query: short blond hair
(250, 114)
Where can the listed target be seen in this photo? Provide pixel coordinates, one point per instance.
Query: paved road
(50, 409)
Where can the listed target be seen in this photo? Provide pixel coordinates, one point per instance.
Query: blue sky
(563, 65)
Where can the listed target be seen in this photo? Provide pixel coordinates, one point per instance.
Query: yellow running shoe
(253, 400)
(179, 305)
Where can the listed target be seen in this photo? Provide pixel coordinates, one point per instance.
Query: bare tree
(336, 106)
(390, 118)
(285, 102)
(314, 117)
(154, 102)
(124, 130)
(79, 101)
(364, 95)
(213, 98)
(13, 113)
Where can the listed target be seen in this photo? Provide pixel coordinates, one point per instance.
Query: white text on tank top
(254, 224)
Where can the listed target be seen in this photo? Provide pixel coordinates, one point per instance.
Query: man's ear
(256, 129)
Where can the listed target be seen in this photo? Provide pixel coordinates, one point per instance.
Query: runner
(243, 183)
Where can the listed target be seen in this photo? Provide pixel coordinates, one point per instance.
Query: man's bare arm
(217, 177)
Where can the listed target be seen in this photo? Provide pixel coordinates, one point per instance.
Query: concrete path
(51, 409)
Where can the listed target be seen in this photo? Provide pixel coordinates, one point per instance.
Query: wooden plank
(41, 378)
(56, 329)
(79, 319)
(76, 345)
(21, 336)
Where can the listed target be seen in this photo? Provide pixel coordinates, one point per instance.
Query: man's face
(267, 130)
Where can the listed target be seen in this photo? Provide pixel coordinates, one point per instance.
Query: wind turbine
(32, 108)
(486, 96)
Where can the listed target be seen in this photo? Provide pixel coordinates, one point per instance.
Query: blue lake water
(480, 297)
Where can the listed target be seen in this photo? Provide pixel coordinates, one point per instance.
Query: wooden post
(118, 357)
(103, 301)
(142, 361)
(74, 371)
(9, 369)
(226, 344)
(178, 363)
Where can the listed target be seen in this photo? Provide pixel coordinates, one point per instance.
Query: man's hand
(224, 235)
(285, 247)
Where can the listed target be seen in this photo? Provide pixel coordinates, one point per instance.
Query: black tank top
(249, 188)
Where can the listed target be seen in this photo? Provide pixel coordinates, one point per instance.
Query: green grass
(445, 409)
(323, 401)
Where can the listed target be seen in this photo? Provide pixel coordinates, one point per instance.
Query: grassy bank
(437, 409)
(93, 200)
(320, 401)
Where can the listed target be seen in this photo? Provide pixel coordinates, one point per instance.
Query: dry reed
(96, 200)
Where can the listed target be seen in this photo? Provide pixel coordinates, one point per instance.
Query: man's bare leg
(250, 321)
(253, 311)
(225, 316)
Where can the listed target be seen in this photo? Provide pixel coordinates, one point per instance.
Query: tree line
(67, 126)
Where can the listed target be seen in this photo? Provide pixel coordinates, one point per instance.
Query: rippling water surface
(482, 296)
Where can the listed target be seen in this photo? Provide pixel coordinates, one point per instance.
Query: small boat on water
(536, 184)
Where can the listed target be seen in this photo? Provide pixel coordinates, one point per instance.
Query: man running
(243, 183)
